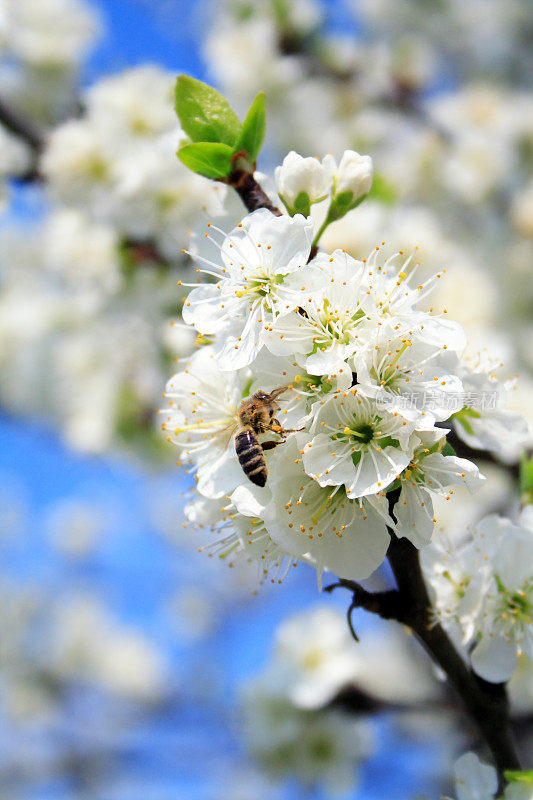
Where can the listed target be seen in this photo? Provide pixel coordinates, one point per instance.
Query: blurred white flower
(51, 34)
(118, 162)
(315, 657)
(320, 749)
(90, 645)
(475, 780)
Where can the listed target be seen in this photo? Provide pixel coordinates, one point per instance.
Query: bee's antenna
(280, 390)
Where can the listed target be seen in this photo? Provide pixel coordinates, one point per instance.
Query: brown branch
(18, 125)
(384, 604)
(485, 703)
(250, 192)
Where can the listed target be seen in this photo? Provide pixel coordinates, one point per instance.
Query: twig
(11, 119)
(384, 604)
(486, 703)
(250, 192)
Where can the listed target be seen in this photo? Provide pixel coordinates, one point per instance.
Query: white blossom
(315, 656)
(317, 748)
(302, 176)
(201, 418)
(407, 374)
(356, 444)
(117, 162)
(354, 174)
(319, 523)
(430, 471)
(250, 293)
(475, 780)
(329, 332)
(484, 422)
(54, 34)
(485, 586)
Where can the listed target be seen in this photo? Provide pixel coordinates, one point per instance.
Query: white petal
(288, 334)
(448, 470)
(219, 473)
(328, 469)
(474, 780)
(203, 308)
(250, 500)
(501, 431)
(285, 242)
(438, 331)
(241, 349)
(414, 512)
(328, 361)
(494, 659)
(376, 470)
(358, 553)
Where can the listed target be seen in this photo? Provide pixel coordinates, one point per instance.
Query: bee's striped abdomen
(251, 458)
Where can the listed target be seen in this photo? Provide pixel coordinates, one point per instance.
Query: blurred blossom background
(132, 666)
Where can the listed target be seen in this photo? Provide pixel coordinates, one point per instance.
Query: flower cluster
(446, 155)
(363, 381)
(113, 162)
(475, 780)
(483, 592)
(42, 47)
(290, 730)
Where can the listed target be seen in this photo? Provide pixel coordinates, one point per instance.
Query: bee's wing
(226, 434)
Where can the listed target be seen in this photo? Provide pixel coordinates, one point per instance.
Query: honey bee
(256, 416)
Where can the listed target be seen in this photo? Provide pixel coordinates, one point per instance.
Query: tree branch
(250, 192)
(485, 703)
(11, 119)
(384, 604)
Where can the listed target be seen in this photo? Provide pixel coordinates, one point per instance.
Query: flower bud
(301, 182)
(354, 175)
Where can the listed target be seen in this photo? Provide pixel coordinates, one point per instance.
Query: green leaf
(383, 190)
(253, 130)
(448, 450)
(462, 418)
(526, 479)
(519, 776)
(211, 159)
(204, 114)
(394, 485)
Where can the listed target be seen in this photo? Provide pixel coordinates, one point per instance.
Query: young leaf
(383, 190)
(519, 776)
(211, 159)
(526, 478)
(448, 450)
(204, 114)
(253, 130)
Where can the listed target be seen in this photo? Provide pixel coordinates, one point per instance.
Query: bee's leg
(277, 428)
(271, 444)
